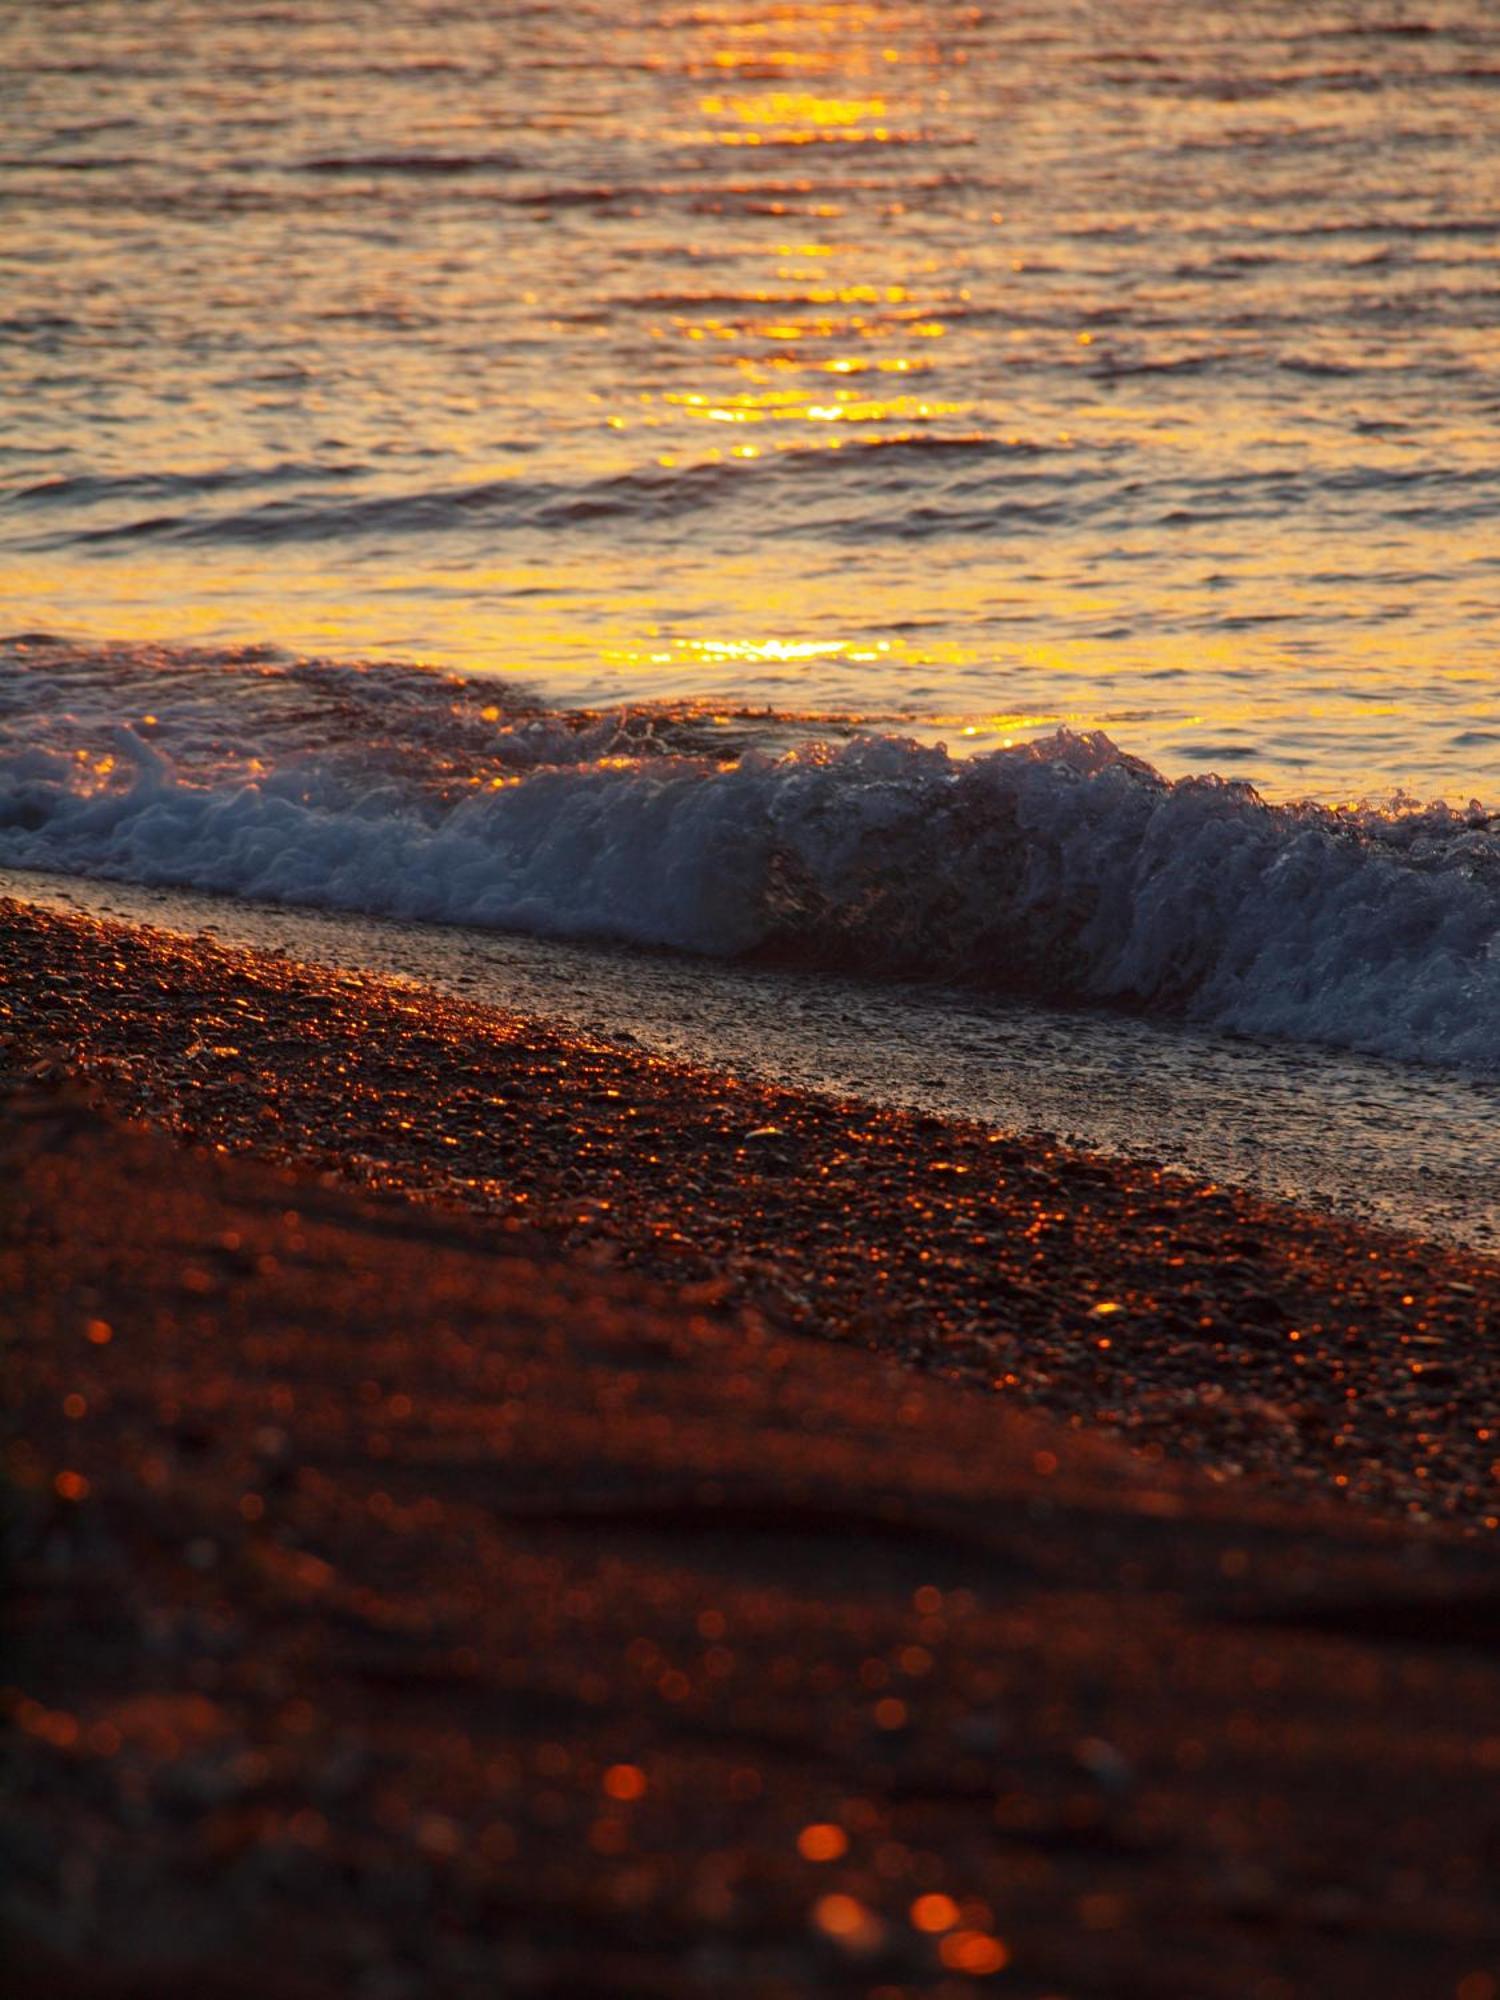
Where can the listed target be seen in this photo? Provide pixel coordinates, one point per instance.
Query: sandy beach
(617, 1570)
(1232, 1332)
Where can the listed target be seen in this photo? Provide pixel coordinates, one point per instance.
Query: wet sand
(408, 1601)
(1384, 1143)
(1227, 1329)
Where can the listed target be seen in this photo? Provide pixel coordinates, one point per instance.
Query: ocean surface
(999, 494)
(1131, 365)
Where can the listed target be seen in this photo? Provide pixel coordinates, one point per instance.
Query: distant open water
(973, 370)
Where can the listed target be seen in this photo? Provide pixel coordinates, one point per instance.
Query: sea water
(997, 493)
(1123, 364)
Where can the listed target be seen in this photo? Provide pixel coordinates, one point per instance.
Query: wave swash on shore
(1063, 869)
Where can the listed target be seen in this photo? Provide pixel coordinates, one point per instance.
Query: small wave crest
(1063, 869)
(877, 483)
(414, 162)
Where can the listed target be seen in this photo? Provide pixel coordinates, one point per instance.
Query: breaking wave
(1063, 869)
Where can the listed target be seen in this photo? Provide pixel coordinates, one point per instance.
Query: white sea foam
(1063, 868)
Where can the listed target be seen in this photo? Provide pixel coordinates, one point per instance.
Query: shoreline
(1380, 1142)
(1200, 1323)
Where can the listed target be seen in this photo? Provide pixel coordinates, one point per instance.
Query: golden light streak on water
(442, 329)
(615, 640)
(790, 110)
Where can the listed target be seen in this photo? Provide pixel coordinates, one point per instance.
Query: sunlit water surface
(1130, 364)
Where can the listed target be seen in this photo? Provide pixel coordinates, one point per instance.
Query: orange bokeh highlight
(822, 1842)
(848, 1922)
(974, 1952)
(624, 1782)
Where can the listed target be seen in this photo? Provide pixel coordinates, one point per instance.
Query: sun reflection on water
(605, 409)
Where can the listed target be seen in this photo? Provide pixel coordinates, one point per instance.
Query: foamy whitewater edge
(1063, 869)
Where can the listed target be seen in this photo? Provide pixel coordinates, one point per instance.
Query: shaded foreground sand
(399, 1608)
(406, 1602)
